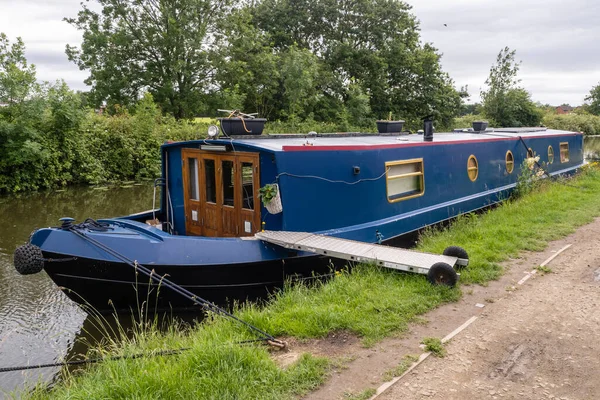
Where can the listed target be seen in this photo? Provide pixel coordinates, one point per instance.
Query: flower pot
(275, 206)
(480, 126)
(239, 126)
(389, 126)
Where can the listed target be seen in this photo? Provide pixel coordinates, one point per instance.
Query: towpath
(532, 339)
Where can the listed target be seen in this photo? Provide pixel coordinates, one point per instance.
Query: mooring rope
(163, 281)
(86, 361)
(94, 360)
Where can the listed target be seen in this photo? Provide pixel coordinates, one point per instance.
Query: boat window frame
(562, 152)
(511, 162)
(420, 174)
(550, 154)
(530, 153)
(469, 168)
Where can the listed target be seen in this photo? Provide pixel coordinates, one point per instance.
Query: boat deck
(294, 142)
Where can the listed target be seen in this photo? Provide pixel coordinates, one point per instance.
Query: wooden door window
(228, 180)
(194, 183)
(247, 186)
(210, 181)
(221, 192)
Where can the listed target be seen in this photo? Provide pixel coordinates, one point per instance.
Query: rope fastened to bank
(94, 360)
(163, 281)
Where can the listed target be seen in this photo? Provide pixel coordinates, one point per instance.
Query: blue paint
(357, 209)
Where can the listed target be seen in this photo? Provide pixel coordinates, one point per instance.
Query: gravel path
(540, 340)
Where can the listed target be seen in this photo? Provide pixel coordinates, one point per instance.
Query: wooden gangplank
(385, 256)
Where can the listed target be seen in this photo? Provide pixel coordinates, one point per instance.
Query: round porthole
(510, 162)
(550, 155)
(530, 153)
(472, 168)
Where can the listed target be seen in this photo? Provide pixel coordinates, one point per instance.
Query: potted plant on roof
(389, 126)
(271, 198)
(239, 123)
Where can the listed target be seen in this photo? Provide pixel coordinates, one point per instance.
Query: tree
(156, 46)
(373, 42)
(505, 102)
(17, 77)
(594, 100)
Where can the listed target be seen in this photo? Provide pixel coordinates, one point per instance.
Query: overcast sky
(558, 41)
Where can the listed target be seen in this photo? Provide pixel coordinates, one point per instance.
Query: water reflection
(38, 324)
(591, 148)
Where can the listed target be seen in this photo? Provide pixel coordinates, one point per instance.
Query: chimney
(428, 128)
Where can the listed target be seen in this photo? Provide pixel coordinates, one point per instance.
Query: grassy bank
(370, 302)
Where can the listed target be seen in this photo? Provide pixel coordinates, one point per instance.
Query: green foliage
(17, 77)
(369, 301)
(345, 62)
(364, 395)
(504, 102)
(373, 44)
(134, 46)
(435, 346)
(594, 100)
(529, 178)
(267, 193)
(401, 368)
(576, 122)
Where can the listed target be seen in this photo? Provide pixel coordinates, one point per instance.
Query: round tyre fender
(28, 259)
(458, 252)
(442, 274)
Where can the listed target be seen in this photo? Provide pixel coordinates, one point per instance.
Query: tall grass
(370, 302)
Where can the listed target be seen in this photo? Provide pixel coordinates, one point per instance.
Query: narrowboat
(364, 187)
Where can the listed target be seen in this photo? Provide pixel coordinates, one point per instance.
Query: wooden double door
(221, 193)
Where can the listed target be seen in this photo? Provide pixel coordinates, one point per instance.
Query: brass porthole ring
(472, 168)
(550, 155)
(510, 162)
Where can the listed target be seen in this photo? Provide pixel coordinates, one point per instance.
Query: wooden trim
(420, 174)
(219, 211)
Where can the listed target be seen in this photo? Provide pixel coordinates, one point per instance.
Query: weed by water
(543, 269)
(364, 395)
(435, 346)
(401, 368)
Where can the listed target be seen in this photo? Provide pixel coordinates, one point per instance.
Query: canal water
(38, 323)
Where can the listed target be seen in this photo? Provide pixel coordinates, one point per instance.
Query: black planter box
(480, 126)
(389, 126)
(235, 126)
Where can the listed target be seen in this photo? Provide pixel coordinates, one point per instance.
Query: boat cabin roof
(347, 141)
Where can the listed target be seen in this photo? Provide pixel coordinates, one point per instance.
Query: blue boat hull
(105, 286)
(331, 190)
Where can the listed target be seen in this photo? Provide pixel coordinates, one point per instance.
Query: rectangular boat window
(247, 186)
(405, 179)
(228, 182)
(210, 181)
(193, 179)
(564, 152)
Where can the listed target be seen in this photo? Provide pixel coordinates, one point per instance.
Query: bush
(586, 123)
(53, 140)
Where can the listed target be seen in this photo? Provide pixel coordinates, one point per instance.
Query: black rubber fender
(28, 259)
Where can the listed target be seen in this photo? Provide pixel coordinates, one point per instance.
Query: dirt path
(531, 341)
